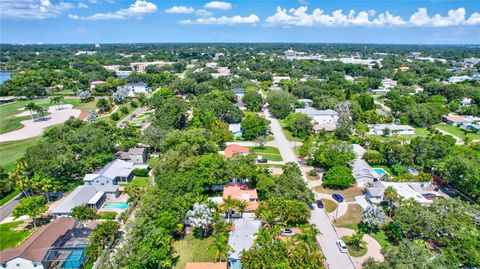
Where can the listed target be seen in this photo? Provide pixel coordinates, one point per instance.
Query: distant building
(322, 119)
(239, 92)
(134, 155)
(241, 238)
(471, 61)
(375, 193)
(230, 150)
(388, 83)
(466, 101)
(85, 52)
(236, 129)
(141, 66)
(277, 79)
(476, 76)
(363, 172)
(135, 88)
(306, 102)
(221, 72)
(95, 83)
(114, 172)
(379, 129)
(458, 79)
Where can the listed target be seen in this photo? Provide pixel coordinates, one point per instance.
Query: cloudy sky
(358, 21)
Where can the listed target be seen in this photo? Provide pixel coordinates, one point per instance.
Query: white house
(134, 155)
(306, 102)
(466, 101)
(388, 83)
(457, 79)
(116, 171)
(375, 193)
(135, 88)
(277, 79)
(322, 119)
(379, 129)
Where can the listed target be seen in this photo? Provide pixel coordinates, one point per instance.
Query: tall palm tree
(241, 206)
(390, 195)
(221, 247)
(40, 112)
(32, 107)
(56, 100)
(229, 204)
(308, 237)
(20, 177)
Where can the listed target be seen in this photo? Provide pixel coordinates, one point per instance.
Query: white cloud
(203, 13)
(180, 10)
(82, 5)
(218, 5)
(137, 9)
(300, 17)
(224, 20)
(32, 9)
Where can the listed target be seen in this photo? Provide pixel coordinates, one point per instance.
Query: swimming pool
(380, 171)
(74, 260)
(116, 205)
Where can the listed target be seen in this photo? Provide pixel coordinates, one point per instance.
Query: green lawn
(10, 238)
(348, 193)
(352, 217)
(329, 205)
(139, 181)
(288, 134)
(11, 151)
(191, 249)
(9, 122)
(456, 131)
(9, 196)
(355, 252)
(270, 153)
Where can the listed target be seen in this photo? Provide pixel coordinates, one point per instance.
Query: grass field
(288, 134)
(9, 122)
(270, 153)
(352, 217)
(421, 132)
(329, 205)
(456, 131)
(11, 151)
(191, 249)
(348, 194)
(139, 181)
(9, 237)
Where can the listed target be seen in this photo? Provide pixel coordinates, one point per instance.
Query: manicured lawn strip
(353, 216)
(10, 196)
(456, 131)
(191, 249)
(288, 134)
(348, 194)
(268, 165)
(329, 205)
(270, 153)
(139, 181)
(10, 238)
(354, 252)
(421, 131)
(11, 151)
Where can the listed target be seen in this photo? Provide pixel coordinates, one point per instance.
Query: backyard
(270, 153)
(456, 131)
(191, 249)
(10, 237)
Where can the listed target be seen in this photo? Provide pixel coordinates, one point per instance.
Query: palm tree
(44, 185)
(228, 205)
(56, 100)
(390, 195)
(32, 107)
(356, 240)
(20, 177)
(40, 111)
(241, 206)
(133, 192)
(308, 237)
(221, 247)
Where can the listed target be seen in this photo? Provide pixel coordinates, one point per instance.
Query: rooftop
(310, 111)
(206, 265)
(243, 236)
(230, 150)
(81, 196)
(239, 192)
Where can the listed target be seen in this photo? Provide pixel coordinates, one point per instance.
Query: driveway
(374, 249)
(7, 209)
(328, 236)
(131, 117)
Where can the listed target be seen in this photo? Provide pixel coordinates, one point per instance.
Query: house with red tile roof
(230, 150)
(206, 265)
(242, 192)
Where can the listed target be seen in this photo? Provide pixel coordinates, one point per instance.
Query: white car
(342, 246)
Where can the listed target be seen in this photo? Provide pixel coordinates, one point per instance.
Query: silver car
(342, 246)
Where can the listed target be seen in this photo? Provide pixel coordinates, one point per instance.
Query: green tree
(338, 177)
(299, 124)
(100, 238)
(83, 213)
(221, 247)
(56, 100)
(32, 107)
(103, 104)
(253, 126)
(32, 206)
(241, 207)
(253, 100)
(333, 153)
(280, 103)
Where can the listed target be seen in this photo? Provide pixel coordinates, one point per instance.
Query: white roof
(95, 198)
(408, 190)
(234, 127)
(81, 196)
(243, 236)
(116, 168)
(310, 111)
(391, 127)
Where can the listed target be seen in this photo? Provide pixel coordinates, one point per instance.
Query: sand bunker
(56, 115)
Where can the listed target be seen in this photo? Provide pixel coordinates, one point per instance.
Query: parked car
(287, 232)
(319, 204)
(342, 246)
(337, 197)
(262, 160)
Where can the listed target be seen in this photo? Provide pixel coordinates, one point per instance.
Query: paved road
(328, 236)
(131, 116)
(7, 209)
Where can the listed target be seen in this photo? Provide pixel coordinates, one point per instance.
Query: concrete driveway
(328, 237)
(374, 249)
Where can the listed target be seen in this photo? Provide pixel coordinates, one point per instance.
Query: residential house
(135, 88)
(51, 246)
(241, 239)
(380, 91)
(388, 83)
(236, 129)
(233, 149)
(95, 83)
(472, 126)
(466, 101)
(306, 102)
(476, 76)
(276, 79)
(113, 173)
(454, 120)
(375, 193)
(362, 172)
(239, 92)
(221, 72)
(86, 195)
(471, 61)
(458, 79)
(322, 119)
(381, 129)
(134, 155)
(241, 192)
(206, 265)
(141, 66)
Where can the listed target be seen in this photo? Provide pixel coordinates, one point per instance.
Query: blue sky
(325, 21)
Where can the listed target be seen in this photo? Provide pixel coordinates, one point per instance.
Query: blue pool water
(74, 260)
(117, 205)
(380, 171)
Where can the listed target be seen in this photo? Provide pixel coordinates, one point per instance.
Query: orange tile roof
(239, 192)
(206, 265)
(232, 149)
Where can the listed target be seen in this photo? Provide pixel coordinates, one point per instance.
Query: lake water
(4, 76)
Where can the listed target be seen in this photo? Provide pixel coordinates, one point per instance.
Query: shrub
(115, 116)
(134, 104)
(124, 110)
(140, 172)
(338, 177)
(373, 157)
(313, 173)
(399, 169)
(107, 215)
